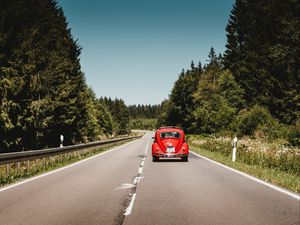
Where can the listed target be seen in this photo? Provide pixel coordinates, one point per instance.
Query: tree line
(143, 116)
(144, 111)
(254, 85)
(43, 92)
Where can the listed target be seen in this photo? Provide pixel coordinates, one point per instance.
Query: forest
(250, 89)
(43, 92)
(253, 88)
(144, 117)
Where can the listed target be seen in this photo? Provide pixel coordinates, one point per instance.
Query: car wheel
(154, 159)
(185, 159)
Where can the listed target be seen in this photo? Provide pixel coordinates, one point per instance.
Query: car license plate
(170, 149)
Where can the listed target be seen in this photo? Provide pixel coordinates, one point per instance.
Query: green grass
(273, 174)
(46, 164)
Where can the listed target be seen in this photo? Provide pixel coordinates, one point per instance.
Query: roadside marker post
(61, 140)
(234, 144)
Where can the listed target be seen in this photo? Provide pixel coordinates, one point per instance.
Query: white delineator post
(61, 140)
(234, 149)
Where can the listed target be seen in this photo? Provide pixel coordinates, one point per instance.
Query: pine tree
(192, 65)
(180, 105)
(262, 51)
(199, 67)
(43, 91)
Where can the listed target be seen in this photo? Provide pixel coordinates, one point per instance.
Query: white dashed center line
(135, 182)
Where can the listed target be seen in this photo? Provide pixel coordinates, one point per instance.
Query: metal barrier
(16, 157)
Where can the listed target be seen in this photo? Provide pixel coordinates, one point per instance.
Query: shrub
(294, 134)
(286, 161)
(256, 118)
(213, 115)
(272, 130)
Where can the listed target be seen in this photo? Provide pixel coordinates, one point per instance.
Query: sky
(135, 49)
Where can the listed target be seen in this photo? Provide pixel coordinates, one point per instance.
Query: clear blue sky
(135, 49)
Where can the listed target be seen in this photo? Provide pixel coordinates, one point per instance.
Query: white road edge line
(65, 167)
(293, 195)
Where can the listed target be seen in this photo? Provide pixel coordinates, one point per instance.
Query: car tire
(154, 159)
(185, 159)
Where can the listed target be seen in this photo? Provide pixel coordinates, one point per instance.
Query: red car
(169, 142)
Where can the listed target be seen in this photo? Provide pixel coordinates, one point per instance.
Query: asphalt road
(102, 189)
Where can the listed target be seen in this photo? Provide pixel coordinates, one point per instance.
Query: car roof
(169, 128)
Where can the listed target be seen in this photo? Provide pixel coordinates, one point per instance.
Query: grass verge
(271, 175)
(36, 167)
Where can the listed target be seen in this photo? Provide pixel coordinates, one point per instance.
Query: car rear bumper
(169, 155)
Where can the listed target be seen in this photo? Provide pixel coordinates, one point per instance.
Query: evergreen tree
(43, 93)
(231, 91)
(180, 105)
(199, 67)
(143, 111)
(120, 115)
(212, 111)
(192, 65)
(262, 51)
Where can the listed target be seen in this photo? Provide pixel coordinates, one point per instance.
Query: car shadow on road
(169, 160)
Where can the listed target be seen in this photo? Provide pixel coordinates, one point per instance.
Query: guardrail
(16, 158)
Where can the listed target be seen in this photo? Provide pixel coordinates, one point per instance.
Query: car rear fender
(156, 148)
(185, 148)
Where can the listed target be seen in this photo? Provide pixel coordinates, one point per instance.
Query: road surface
(102, 189)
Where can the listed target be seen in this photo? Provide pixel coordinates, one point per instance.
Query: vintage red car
(169, 142)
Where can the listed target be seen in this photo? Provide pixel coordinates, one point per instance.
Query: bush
(256, 118)
(286, 161)
(294, 135)
(213, 115)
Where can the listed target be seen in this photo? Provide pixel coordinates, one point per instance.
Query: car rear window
(170, 135)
